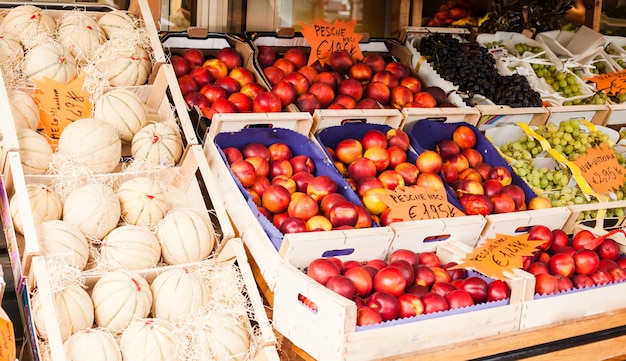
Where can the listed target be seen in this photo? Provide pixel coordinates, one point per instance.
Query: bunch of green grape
(562, 82)
(597, 98)
(609, 50)
(568, 139)
(522, 48)
(524, 150)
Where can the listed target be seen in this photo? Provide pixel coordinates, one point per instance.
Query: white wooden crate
(324, 118)
(294, 248)
(331, 332)
(541, 311)
(186, 178)
(232, 254)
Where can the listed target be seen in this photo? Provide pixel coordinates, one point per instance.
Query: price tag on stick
(60, 104)
(500, 254)
(417, 203)
(326, 38)
(601, 169)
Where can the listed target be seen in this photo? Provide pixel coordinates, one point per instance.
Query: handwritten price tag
(325, 38)
(419, 203)
(60, 104)
(500, 254)
(611, 83)
(601, 169)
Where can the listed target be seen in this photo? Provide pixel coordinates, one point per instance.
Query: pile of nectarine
(220, 84)
(563, 263)
(374, 82)
(378, 160)
(288, 191)
(407, 284)
(481, 188)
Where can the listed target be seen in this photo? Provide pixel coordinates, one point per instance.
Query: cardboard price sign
(60, 104)
(611, 83)
(326, 38)
(601, 169)
(419, 203)
(500, 254)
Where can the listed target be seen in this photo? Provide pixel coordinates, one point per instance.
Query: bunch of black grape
(471, 67)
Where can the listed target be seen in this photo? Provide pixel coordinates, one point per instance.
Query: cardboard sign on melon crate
(336, 327)
(265, 242)
(32, 200)
(233, 299)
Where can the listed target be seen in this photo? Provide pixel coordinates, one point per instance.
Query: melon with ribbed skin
(116, 21)
(92, 143)
(11, 49)
(57, 237)
(45, 204)
(120, 297)
(143, 201)
(94, 208)
(35, 151)
(51, 60)
(92, 344)
(81, 34)
(131, 247)
(74, 311)
(124, 110)
(29, 23)
(158, 143)
(150, 339)
(24, 110)
(186, 235)
(226, 338)
(177, 293)
(130, 67)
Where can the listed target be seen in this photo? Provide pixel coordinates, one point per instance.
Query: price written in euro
(601, 169)
(60, 104)
(611, 83)
(419, 203)
(498, 255)
(326, 38)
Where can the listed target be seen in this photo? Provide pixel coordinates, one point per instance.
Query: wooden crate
(192, 178)
(331, 332)
(232, 254)
(8, 133)
(265, 244)
(596, 114)
(96, 11)
(546, 310)
(324, 118)
(498, 115)
(209, 44)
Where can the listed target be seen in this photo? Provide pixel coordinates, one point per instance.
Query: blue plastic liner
(299, 145)
(425, 134)
(331, 136)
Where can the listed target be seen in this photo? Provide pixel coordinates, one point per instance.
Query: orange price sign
(60, 104)
(7, 338)
(419, 203)
(610, 83)
(326, 38)
(601, 169)
(500, 254)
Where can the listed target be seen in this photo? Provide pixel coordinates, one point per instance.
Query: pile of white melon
(184, 313)
(138, 224)
(113, 47)
(95, 143)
